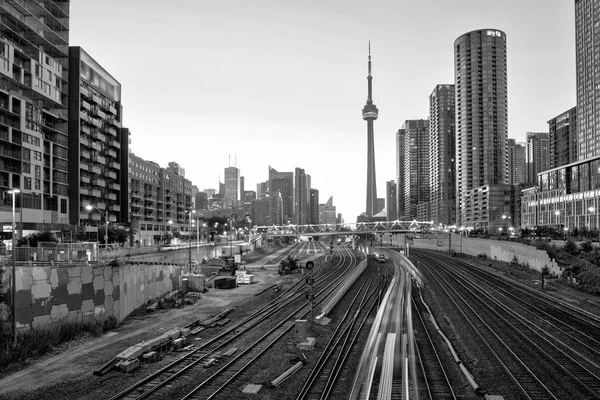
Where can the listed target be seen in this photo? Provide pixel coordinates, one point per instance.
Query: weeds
(39, 341)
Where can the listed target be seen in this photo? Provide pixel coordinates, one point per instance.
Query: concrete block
(185, 332)
(323, 321)
(177, 344)
(308, 345)
(59, 312)
(74, 272)
(98, 282)
(129, 365)
(39, 322)
(74, 284)
(150, 356)
(173, 333)
(24, 279)
(87, 307)
(40, 274)
(41, 289)
(87, 276)
(252, 389)
(130, 353)
(98, 310)
(54, 277)
(146, 346)
(108, 287)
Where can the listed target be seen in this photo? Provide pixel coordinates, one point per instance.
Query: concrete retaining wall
(495, 249)
(47, 295)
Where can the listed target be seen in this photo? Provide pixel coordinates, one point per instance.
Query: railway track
(190, 367)
(541, 362)
(326, 379)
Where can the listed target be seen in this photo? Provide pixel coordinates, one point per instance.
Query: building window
(63, 206)
(27, 183)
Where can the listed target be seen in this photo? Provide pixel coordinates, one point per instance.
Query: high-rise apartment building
(400, 203)
(562, 133)
(442, 175)
(276, 208)
(481, 113)
(516, 162)
(283, 182)
(34, 81)
(98, 146)
(314, 207)
(537, 156)
(416, 165)
(160, 199)
(587, 48)
(301, 197)
(232, 186)
(391, 201)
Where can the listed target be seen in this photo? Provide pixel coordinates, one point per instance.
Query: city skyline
(287, 84)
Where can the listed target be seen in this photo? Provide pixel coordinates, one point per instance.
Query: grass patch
(37, 342)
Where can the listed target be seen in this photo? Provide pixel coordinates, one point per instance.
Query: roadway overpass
(344, 229)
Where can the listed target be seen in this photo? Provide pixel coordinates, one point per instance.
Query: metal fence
(59, 252)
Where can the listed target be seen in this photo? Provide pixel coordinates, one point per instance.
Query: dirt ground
(83, 356)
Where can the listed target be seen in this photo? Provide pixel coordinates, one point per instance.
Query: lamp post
(591, 210)
(190, 212)
(14, 270)
(90, 208)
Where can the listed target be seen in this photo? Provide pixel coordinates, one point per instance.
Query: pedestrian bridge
(358, 228)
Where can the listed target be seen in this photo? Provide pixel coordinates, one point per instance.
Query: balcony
(84, 116)
(84, 91)
(96, 111)
(84, 166)
(112, 131)
(96, 193)
(115, 207)
(115, 143)
(85, 154)
(86, 105)
(99, 159)
(114, 165)
(99, 182)
(114, 186)
(112, 110)
(83, 140)
(111, 153)
(112, 196)
(99, 136)
(85, 179)
(97, 123)
(101, 205)
(84, 191)
(96, 169)
(111, 174)
(97, 146)
(96, 99)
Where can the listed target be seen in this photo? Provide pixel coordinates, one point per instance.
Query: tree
(586, 246)
(545, 272)
(571, 247)
(36, 237)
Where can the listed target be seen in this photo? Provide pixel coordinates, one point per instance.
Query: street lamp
(500, 230)
(190, 212)
(565, 234)
(14, 270)
(90, 208)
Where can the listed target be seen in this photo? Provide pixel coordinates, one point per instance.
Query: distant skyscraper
(416, 165)
(562, 133)
(400, 203)
(442, 155)
(537, 157)
(516, 162)
(370, 114)
(587, 52)
(314, 206)
(283, 182)
(391, 201)
(232, 186)
(262, 189)
(327, 214)
(481, 111)
(301, 197)
(276, 209)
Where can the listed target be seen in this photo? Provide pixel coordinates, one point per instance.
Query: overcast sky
(283, 83)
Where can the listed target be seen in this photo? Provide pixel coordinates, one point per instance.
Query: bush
(39, 341)
(483, 256)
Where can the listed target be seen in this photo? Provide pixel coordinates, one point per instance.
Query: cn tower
(369, 114)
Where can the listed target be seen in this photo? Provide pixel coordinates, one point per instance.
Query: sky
(253, 84)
